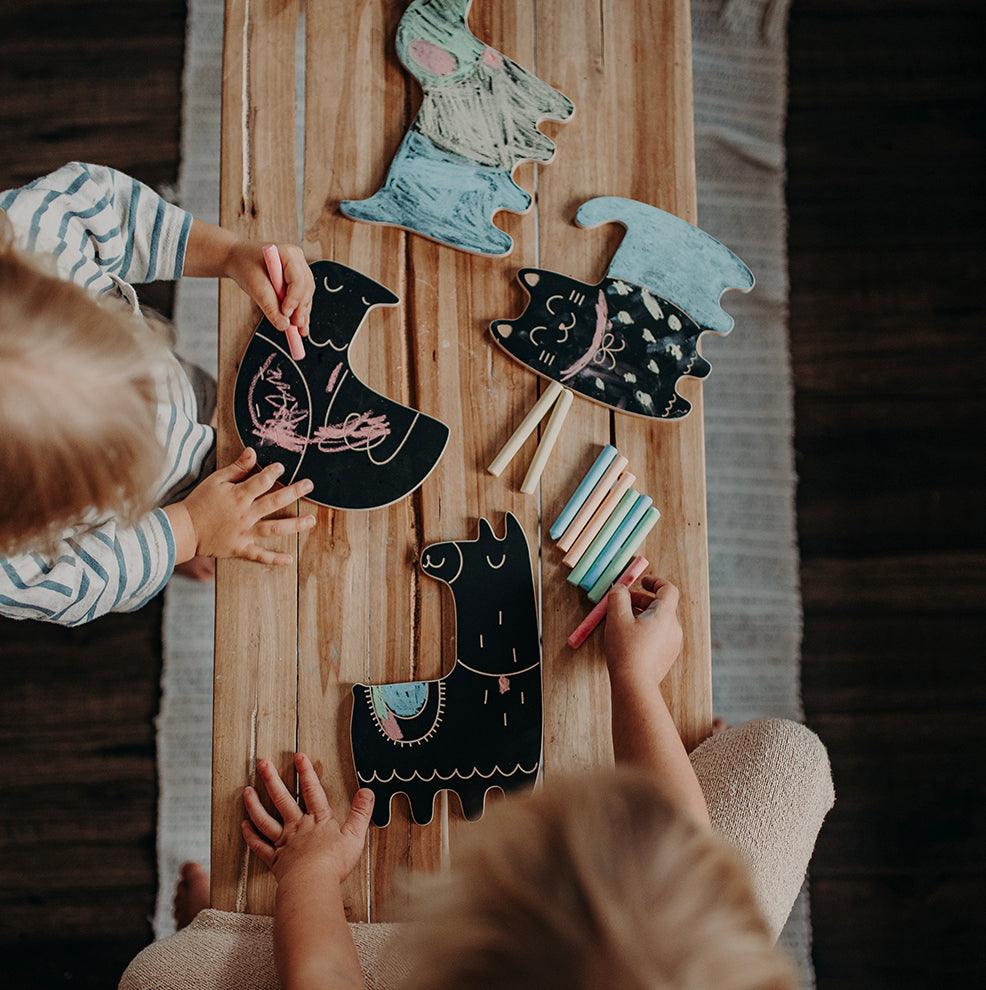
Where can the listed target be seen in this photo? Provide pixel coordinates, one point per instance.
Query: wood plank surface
(355, 607)
(256, 670)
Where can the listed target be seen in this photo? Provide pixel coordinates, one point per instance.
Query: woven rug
(740, 82)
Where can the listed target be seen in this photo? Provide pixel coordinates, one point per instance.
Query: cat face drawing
(614, 342)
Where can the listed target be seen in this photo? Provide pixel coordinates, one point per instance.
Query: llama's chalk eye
(549, 301)
(432, 563)
(496, 567)
(328, 288)
(534, 339)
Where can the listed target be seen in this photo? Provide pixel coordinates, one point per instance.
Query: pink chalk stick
(599, 518)
(592, 503)
(276, 274)
(635, 568)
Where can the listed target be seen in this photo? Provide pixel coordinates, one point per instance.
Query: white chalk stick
(551, 432)
(526, 428)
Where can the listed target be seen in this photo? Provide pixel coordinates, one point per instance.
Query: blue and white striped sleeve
(100, 224)
(103, 569)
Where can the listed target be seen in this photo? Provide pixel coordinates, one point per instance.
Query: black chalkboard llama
(480, 725)
(361, 449)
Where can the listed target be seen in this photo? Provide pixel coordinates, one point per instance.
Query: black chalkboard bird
(480, 725)
(361, 449)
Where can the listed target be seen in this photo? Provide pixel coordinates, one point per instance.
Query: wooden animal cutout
(480, 725)
(628, 339)
(478, 119)
(314, 415)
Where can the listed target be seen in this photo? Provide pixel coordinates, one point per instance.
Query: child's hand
(643, 635)
(245, 264)
(226, 514)
(311, 840)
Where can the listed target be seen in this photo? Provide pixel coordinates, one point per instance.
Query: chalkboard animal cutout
(361, 449)
(478, 119)
(627, 340)
(480, 725)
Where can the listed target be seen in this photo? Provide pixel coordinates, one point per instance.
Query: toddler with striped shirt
(107, 452)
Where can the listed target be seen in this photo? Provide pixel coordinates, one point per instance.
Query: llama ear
(513, 530)
(486, 531)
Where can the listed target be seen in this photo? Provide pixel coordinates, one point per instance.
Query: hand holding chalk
(589, 623)
(274, 269)
(642, 646)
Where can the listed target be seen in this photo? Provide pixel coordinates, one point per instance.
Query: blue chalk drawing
(478, 120)
(670, 257)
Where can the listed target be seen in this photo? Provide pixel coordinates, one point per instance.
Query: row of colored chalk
(602, 525)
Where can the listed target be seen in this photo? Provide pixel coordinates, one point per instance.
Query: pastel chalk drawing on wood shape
(478, 120)
(480, 725)
(627, 340)
(361, 449)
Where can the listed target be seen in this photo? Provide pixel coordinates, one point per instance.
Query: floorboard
(886, 175)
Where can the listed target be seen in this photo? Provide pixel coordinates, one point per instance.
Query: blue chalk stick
(617, 516)
(603, 461)
(622, 558)
(616, 541)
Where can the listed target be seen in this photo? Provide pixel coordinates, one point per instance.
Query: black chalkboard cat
(480, 725)
(361, 449)
(627, 340)
(614, 342)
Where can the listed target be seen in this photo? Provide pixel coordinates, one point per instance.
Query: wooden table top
(290, 642)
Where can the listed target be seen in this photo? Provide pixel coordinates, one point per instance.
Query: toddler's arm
(226, 514)
(643, 639)
(213, 252)
(310, 854)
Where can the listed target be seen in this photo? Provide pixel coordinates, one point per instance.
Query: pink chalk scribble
(390, 726)
(602, 325)
(282, 427)
(504, 683)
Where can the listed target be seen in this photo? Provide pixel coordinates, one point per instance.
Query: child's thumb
(358, 819)
(620, 604)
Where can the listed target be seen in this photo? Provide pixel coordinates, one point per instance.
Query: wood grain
(256, 667)
(357, 608)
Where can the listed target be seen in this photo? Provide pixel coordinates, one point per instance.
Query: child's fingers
(283, 527)
(270, 306)
(663, 590)
(283, 497)
(256, 844)
(620, 605)
(255, 486)
(641, 600)
(312, 792)
(261, 555)
(263, 821)
(239, 469)
(257, 554)
(283, 799)
(358, 819)
(299, 286)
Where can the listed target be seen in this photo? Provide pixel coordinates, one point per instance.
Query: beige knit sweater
(768, 785)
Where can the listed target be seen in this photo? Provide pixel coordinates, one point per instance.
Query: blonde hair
(77, 416)
(594, 883)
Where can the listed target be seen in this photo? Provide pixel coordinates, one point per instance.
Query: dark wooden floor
(887, 159)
